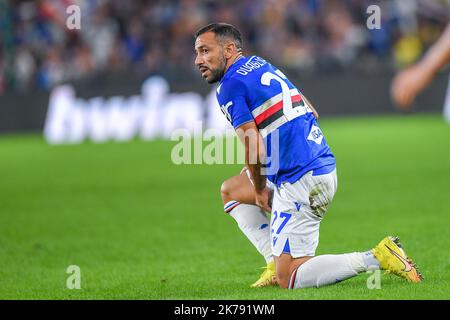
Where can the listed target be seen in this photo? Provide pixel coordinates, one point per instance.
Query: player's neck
(233, 60)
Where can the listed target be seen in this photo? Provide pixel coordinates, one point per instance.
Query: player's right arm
(255, 156)
(411, 81)
(231, 96)
(315, 113)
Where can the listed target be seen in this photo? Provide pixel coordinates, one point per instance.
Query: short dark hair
(223, 30)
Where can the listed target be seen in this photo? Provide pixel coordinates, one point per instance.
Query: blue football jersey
(254, 90)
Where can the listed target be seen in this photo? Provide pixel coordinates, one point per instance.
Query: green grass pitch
(140, 227)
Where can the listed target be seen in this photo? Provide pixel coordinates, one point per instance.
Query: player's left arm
(315, 113)
(255, 156)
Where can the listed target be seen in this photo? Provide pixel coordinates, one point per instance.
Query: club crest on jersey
(315, 135)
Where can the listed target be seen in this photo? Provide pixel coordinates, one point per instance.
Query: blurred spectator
(148, 36)
(99, 33)
(24, 67)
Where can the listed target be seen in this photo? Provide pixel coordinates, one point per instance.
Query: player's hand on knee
(264, 199)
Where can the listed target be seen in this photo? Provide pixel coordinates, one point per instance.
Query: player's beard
(217, 73)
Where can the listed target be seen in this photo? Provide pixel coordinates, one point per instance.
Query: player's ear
(229, 49)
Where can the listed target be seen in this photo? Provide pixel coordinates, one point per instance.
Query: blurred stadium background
(138, 225)
(308, 36)
(121, 44)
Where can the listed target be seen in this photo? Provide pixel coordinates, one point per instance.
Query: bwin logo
(315, 135)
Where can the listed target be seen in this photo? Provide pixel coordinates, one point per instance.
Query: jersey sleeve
(232, 98)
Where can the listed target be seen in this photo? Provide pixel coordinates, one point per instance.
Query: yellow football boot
(268, 277)
(393, 259)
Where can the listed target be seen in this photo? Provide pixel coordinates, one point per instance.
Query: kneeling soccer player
(270, 114)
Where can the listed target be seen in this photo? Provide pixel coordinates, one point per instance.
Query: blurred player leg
(408, 83)
(239, 197)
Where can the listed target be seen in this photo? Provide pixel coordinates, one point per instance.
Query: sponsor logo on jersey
(315, 134)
